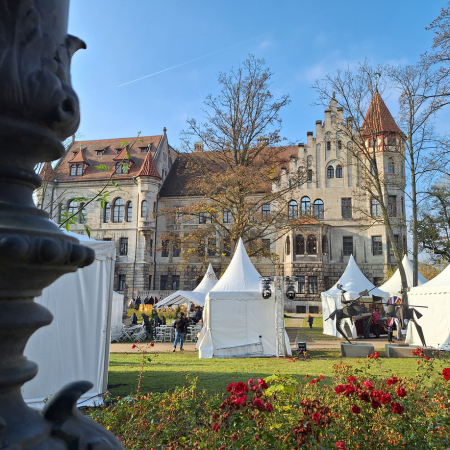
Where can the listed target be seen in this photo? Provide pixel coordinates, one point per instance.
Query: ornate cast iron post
(38, 109)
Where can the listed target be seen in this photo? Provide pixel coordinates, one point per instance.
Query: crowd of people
(136, 302)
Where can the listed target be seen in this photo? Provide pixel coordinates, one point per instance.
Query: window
(266, 244)
(375, 208)
(346, 207)
(202, 217)
(226, 216)
(299, 245)
(82, 214)
(330, 172)
(310, 175)
(226, 247)
(377, 246)
(396, 240)
(328, 145)
(313, 309)
(73, 208)
(312, 285)
(129, 211)
(119, 167)
(288, 245)
(164, 282)
(300, 309)
(347, 245)
(165, 249)
(305, 206)
(392, 205)
(73, 170)
(144, 209)
(301, 285)
(318, 208)
(265, 211)
(176, 251)
(149, 287)
(371, 143)
(99, 152)
(311, 245)
(338, 171)
(107, 239)
(324, 246)
(106, 212)
(175, 282)
(118, 210)
(292, 210)
(402, 201)
(79, 169)
(391, 165)
(150, 247)
(339, 145)
(211, 247)
(143, 149)
(391, 141)
(122, 282)
(123, 250)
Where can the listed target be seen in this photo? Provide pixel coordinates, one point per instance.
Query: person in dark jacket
(137, 303)
(133, 319)
(146, 301)
(152, 300)
(147, 324)
(198, 315)
(310, 320)
(180, 326)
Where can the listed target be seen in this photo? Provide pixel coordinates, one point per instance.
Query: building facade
(151, 177)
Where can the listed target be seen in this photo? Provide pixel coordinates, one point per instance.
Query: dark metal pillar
(38, 109)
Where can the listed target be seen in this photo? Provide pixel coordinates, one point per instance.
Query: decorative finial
(334, 95)
(164, 129)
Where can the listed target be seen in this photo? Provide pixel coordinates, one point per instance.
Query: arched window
(73, 169)
(330, 172)
(119, 167)
(118, 210)
(288, 246)
(311, 245)
(72, 207)
(79, 169)
(328, 141)
(106, 212)
(391, 165)
(144, 209)
(82, 214)
(375, 208)
(299, 244)
(305, 206)
(338, 172)
(318, 208)
(292, 210)
(129, 211)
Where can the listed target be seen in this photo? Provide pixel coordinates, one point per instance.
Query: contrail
(192, 60)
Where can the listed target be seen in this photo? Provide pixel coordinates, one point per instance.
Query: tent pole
(279, 317)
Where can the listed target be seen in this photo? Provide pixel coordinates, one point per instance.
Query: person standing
(180, 326)
(310, 320)
(137, 303)
(376, 316)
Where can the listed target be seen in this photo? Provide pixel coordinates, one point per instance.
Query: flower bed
(357, 411)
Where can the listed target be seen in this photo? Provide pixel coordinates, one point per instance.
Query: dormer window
(73, 170)
(79, 169)
(144, 149)
(118, 150)
(100, 152)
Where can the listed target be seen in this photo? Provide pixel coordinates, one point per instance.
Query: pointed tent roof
(196, 296)
(378, 117)
(440, 283)
(240, 275)
(394, 284)
(80, 157)
(354, 281)
(148, 168)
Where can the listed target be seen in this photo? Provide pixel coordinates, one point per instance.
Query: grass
(168, 370)
(312, 334)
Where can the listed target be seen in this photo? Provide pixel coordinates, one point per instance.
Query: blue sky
(300, 40)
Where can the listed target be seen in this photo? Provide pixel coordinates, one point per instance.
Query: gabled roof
(124, 154)
(148, 168)
(378, 117)
(80, 157)
(47, 173)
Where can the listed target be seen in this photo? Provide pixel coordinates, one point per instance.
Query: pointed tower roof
(148, 168)
(123, 155)
(378, 117)
(80, 157)
(47, 173)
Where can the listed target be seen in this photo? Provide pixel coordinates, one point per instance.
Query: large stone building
(151, 176)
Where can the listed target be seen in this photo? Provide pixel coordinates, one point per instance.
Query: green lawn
(315, 333)
(168, 370)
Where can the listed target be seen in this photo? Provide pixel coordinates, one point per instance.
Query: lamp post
(38, 109)
(279, 287)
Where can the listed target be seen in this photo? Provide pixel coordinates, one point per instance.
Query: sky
(175, 50)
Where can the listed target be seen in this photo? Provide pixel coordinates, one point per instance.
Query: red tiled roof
(47, 173)
(124, 154)
(148, 168)
(79, 157)
(378, 117)
(107, 157)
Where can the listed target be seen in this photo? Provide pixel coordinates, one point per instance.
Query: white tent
(235, 313)
(435, 323)
(75, 346)
(353, 281)
(394, 284)
(196, 296)
(116, 311)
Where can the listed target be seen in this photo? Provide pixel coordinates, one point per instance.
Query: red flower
(350, 389)
(376, 395)
(339, 389)
(255, 387)
(426, 358)
(355, 409)
(313, 381)
(392, 381)
(216, 427)
(322, 377)
(397, 408)
(152, 344)
(231, 386)
(262, 383)
(251, 381)
(364, 396)
(240, 388)
(257, 437)
(316, 418)
(386, 398)
(269, 407)
(137, 342)
(368, 384)
(375, 404)
(401, 392)
(340, 446)
(446, 373)
(133, 346)
(351, 379)
(258, 403)
(240, 400)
